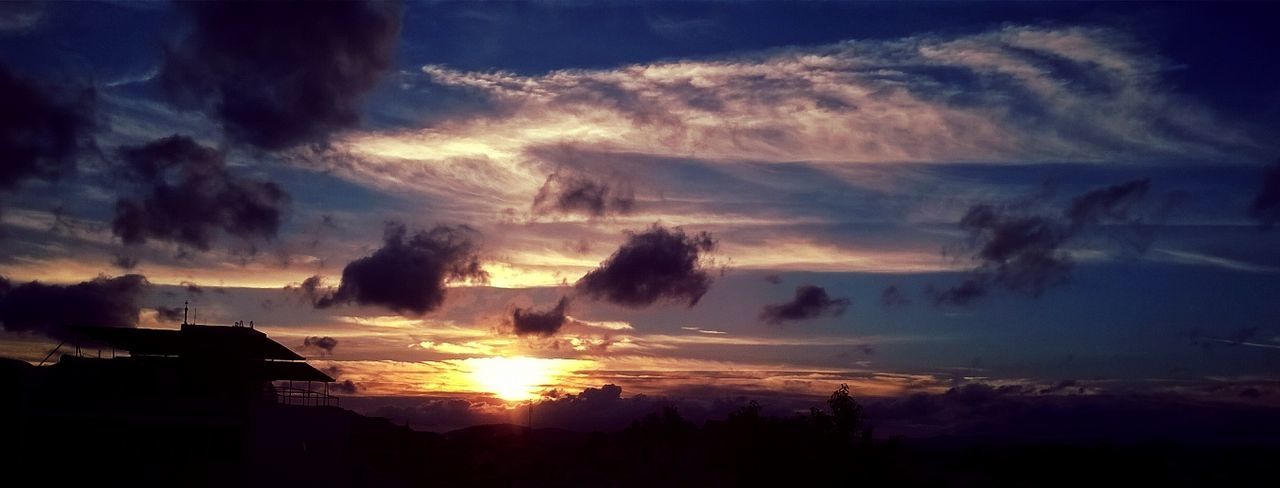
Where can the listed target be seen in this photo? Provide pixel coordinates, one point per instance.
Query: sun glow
(517, 379)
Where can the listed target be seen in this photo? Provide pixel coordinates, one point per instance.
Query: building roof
(201, 369)
(189, 341)
(293, 371)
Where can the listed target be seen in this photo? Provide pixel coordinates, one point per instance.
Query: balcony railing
(288, 395)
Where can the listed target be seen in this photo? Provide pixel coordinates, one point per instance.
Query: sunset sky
(457, 207)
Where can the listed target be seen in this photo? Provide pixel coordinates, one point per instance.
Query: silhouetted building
(195, 370)
(196, 406)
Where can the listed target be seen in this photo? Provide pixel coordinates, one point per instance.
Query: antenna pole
(47, 356)
(184, 312)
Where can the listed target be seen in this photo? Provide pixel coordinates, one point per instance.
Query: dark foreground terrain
(274, 445)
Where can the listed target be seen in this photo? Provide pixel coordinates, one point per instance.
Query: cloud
(700, 330)
(408, 273)
(602, 408)
(1021, 412)
(169, 314)
(810, 302)
(312, 290)
(1027, 252)
(276, 75)
(124, 262)
(1244, 336)
(185, 194)
(192, 288)
(967, 292)
(545, 323)
(892, 297)
(1111, 204)
(973, 394)
(21, 17)
(42, 132)
(865, 349)
(1016, 93)
(653, 265)
(1020, 252)
(325, 343)
(437, 414)
(1061, 386)
(52, 309)
(567, 193)
(1265, 207)
(346, 387)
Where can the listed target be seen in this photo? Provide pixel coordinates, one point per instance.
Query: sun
(515, 379)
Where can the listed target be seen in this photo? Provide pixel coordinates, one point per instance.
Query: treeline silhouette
(832, 445)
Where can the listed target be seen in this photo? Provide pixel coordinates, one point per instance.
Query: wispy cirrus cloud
(770, 125)
(1014, 94)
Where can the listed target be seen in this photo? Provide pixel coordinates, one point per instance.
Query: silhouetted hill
(281, 445)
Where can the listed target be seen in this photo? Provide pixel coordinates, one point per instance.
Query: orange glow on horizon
(518, 378)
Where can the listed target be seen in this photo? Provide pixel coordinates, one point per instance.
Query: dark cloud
(570, 193)
(61, 224)
(773, 279)
(810, 302)
(580, 246)
(967, 292)
(1021, 253)
(1199, 338)
(892, 297)
(187, 195)
(333, 370)
(967, 411)
(1026, 252)
(192, 288)
(41, 131)
(124, 262)
(312, 290)
(602, 409)
(864, 349)
(409, 272)
(544, 323)
(1266, 205)
(346, 387)
(169, 314)
(653, 265)
(20, 17)
(1010, 412)
(1241, 336)
(1060, 386)
(51, 309)
(1110, 204)
(279, 74)
(974, 394)
(325, 343)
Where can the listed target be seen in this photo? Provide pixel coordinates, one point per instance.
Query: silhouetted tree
(746, 414)
(846, 412)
